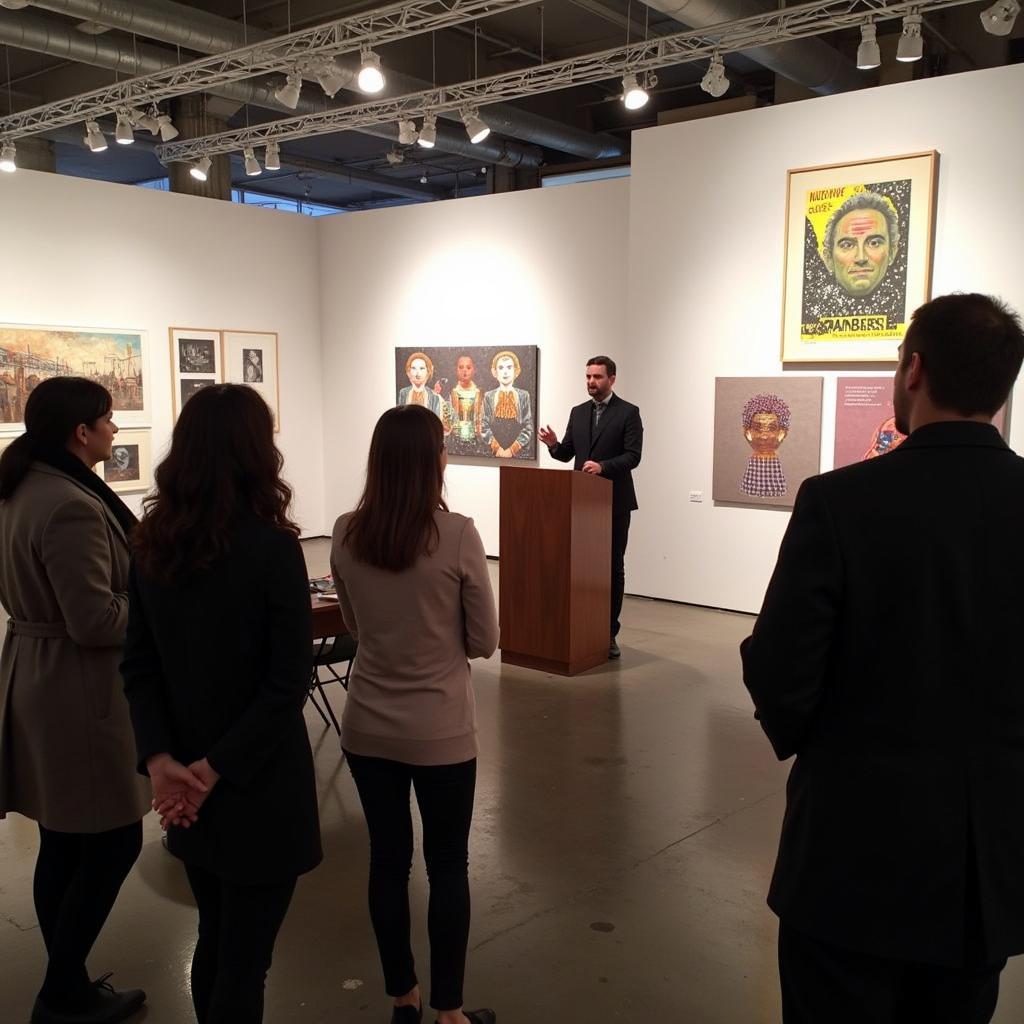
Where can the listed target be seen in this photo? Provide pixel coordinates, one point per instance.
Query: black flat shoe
(407, 1014)
(104, 1005)
(613, 649)
(481, 1016)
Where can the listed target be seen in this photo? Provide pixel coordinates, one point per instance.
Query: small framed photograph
(196, 362)
(130, 466)
(250, 357)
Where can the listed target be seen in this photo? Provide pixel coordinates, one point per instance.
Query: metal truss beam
(778, 26)
(283, 54)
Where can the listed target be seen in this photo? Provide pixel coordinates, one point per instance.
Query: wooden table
(327, 620)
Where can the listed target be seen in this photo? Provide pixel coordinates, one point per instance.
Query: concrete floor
(623, 841)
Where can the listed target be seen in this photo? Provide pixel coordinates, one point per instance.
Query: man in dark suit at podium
(605, 436)
(887, 658)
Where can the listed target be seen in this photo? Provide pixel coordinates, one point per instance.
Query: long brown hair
(223, 467)
(393, 524)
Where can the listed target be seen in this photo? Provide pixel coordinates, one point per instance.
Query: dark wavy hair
(393, 524)
(54, 409)
(223, 467)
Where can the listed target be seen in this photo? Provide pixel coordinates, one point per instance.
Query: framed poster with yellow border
(858, 257)
(250, 357)
(195, 363)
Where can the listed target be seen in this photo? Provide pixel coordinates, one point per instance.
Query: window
(160, 184)
(575, 177)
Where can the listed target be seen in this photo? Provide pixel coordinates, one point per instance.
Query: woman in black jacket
(216, 668)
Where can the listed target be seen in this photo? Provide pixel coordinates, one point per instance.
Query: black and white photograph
(196, 360)
(190, 387)
(197, 355)
(252, 365)
(123, 463)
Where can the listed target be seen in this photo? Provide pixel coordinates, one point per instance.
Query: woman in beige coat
(67, 755)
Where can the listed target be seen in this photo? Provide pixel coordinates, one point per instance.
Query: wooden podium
(555, 576)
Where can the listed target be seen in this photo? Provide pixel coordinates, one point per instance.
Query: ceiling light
(273, 160)
(868, 55)
(633, 94)
(288, 94)
(428, 133)
(999, 18)
(166, 128)
(475, 128)
(911, 46)
(14, 5)
(396, 157)
(7, 154)
(123, 133)
(423, 179)
(406, 133)
(252, 165)
(147, 121)
(370, 77)
(715, 83)
(331, 76)
(200, 170)
(94, 138)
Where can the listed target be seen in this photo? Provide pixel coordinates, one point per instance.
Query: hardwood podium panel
(555, 578)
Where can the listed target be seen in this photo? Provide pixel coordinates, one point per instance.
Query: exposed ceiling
(54, 52)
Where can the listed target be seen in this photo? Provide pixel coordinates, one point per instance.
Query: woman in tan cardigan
(414, 590)
(67, 756)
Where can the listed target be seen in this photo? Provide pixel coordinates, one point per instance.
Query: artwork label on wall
(113, 357)
(858, 257)
(251, 357)
(485, 396)
(195, 363)
(767, 438)
(130, 466)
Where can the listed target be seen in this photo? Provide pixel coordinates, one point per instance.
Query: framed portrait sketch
(115, 357)
(195, 363)
(485, 397)
(130, 466)
(858, 257)
(250, 357)
(767, 438)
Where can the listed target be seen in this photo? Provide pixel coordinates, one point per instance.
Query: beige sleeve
(477, 597)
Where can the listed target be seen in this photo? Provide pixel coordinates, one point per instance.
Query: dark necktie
(598, 410)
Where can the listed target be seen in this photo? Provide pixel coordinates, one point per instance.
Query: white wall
(706, 244)
(84, 253)
(545, 267)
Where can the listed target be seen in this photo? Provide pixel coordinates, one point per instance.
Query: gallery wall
(80, 253)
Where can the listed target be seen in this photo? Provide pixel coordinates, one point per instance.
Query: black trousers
(823, 984)
(238, 925)
(77, 879)
(444, 794)
(620, 537)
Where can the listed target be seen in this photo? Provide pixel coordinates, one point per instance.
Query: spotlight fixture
(166, 128)
(94, 138)
(273, 160)
(633, 94)
(371, 79)
(423, 179)
(911, 46)
(395, 157)
(406, 133)
(288, 94)
(252, 165)
(7, 157)
(868, 55)
(148, 121)
(123, 133)
(428, 133)
(14, 5)
(715, 83)
(331, 76)
(475, 128)
(200, 170)
(999, 18)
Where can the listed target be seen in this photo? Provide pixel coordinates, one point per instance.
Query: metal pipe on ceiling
(29, 31)
(171, 22)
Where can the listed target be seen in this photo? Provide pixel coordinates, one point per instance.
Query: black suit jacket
(887, 657)
(617, 444)
(217, 665)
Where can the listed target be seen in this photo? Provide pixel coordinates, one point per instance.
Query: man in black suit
(605, 436)
(887, 657)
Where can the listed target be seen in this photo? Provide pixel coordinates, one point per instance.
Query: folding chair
(327, 653)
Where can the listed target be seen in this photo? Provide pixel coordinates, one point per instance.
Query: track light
(423, 179)
(166, 128)
(7, 157)
(331, 76)
(406, 133)
(371, 79)
(273, 160)
(288, 94)
(428, 133)
(999, 18)
(715, 83)
(475, 128)
(123, 133)
(911, 46)
(200, 170)
(395, 157)
(94, 138)
(868, 55)
(147, 121)
(14, 5)
(634, 95)
(252, 165)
